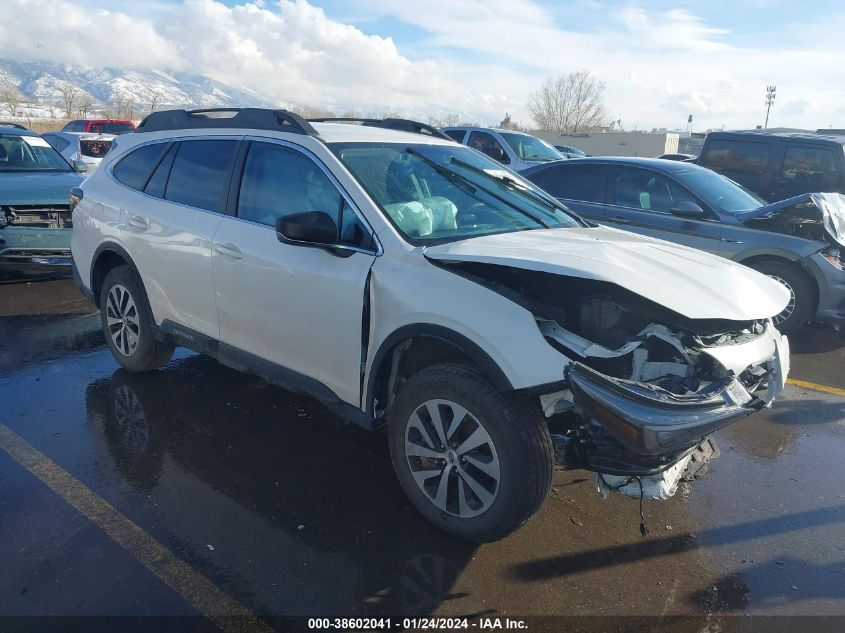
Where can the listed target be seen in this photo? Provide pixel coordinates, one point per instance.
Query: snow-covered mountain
(42, 82)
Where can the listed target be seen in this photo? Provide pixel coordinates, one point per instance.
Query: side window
(135, 168)
(485, 143)
(647, 191)
(748, 157)
(278, 181)
(815, 165)
(576, 182)
(158, 181)
(200, 173)
(457, 135)
(58, 143)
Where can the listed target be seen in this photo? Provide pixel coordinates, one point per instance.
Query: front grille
(94, 149)
(26, 254)
(39, 217)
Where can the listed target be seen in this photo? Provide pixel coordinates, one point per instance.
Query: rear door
(805, 168)
(747, 162)
(580, 187)
(299, 307)
(640, 200)
(169, 229)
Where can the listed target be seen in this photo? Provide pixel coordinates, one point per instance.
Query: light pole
(770, 99)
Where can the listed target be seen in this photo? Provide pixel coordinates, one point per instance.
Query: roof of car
(660, 164)
(792, 134)
(16, 131)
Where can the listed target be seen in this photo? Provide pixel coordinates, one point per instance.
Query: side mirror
(687, 209)
(316, 228)
(80, 166)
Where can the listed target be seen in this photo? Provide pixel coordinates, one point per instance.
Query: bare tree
(10, 99)
(569, 103)
(154, 102)
(447, 120)
(86, 105)
(70, 94)
(311, 112)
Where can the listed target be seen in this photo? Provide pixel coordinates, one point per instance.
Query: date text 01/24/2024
(420, 624)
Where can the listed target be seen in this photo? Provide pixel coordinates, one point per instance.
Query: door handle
(229, 250)
(621, 219)
(137, 221)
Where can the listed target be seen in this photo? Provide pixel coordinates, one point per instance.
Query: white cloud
(475, 57)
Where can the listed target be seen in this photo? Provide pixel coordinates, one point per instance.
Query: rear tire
(800, 307)
(487, 470)
(127, 322)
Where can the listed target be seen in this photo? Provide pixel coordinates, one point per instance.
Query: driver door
(639, 200)
(298, 307)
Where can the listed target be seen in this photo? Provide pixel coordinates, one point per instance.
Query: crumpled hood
(827, 208)
(690, 282)
(37, 187)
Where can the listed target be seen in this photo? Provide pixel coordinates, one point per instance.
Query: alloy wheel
(122, 320)
(452, 458)
(790, 307)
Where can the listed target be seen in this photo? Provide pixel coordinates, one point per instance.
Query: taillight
(75, 197)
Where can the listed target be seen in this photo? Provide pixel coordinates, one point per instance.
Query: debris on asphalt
(210, 547)
(576, 521)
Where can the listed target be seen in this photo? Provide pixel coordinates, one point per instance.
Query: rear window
(200, 173)
(748, 157)
(134, 170)
(573, 182)
(94, 149)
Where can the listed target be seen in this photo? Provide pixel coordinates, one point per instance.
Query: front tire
(127, 322)
(470, 459)
(799, 309)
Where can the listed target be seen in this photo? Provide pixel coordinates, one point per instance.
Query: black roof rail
(402, 125)
(253, 118)
(13, 124)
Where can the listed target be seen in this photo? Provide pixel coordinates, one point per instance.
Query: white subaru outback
(411, 282)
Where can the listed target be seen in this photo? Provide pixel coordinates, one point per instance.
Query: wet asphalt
(291, 511)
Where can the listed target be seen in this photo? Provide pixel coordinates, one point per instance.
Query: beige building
(616, 143)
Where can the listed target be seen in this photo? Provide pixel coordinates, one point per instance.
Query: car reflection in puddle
(292, 497)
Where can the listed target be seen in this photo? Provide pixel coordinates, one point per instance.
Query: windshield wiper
(549, 203)
(452, 175)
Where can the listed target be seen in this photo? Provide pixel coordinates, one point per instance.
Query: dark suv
(777, 165)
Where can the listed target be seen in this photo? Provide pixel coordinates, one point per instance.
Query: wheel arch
(108, 256)
(794, 264)
(414, 347)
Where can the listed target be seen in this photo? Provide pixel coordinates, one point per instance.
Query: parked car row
(36, 174)
(492, 321)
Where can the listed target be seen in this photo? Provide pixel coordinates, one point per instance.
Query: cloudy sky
(478, 58)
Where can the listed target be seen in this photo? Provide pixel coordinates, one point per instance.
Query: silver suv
(517, 150)
(410, 282)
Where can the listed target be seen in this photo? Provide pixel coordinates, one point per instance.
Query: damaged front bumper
(631, 429)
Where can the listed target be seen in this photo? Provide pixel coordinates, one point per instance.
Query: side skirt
(271, 372)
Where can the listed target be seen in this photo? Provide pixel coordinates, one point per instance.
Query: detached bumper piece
(650, 421)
